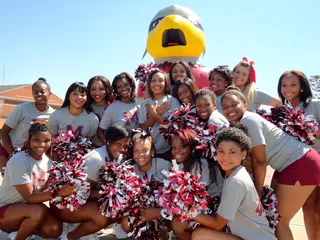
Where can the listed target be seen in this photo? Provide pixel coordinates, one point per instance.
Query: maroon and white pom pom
(69, 174)
(294, 122)
(119, 185)
(67, 146)
(269, 201)
(182, 195)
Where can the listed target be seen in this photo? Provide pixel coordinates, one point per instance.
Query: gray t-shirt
(214, 188)
(94, 160)
(219, 105)
(119, 113)
(85, 124)
(259, 98)
(281, 148)
(154, 173)
(313, 109)
(241, 206)
(160, 144)
(22, 169)
(217, 119)
(98, 111)
(20, 120)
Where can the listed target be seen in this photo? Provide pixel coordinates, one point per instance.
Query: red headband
(252, 71)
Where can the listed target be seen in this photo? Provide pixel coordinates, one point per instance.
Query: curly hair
(237, 134)
(106, 84)
(224, 71)
(305, 95)
(129, 78)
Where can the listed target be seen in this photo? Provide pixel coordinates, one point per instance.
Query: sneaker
(99, 233)
(119, 232)
(68, 227)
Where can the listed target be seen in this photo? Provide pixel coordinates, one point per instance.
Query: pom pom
(186, 118)
(119, 185)
(68, 170)
(147, 198)
(207, 136)
(142, 72)
(181, 118)
(182, 195)
(144, 230)
(269, 201)
(69, 174)
(68, 146)
(302, 127)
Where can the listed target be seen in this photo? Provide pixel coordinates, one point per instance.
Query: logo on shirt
(38, 180)
(77, 131)
(131, 117)
(259, 209)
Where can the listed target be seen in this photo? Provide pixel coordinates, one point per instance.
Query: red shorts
(2, 211)
(305, 170)
(3, 152)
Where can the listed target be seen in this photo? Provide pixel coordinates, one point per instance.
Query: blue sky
(68, 41)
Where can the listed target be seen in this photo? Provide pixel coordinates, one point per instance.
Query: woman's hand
(151, 110)
(162, 108)
(65, 191)
(149, 214)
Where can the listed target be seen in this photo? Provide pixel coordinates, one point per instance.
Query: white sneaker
(68, 227)
(119, 232)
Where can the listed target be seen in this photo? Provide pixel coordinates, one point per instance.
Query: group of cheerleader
(119, 126)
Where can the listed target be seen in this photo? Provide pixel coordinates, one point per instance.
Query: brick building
(13, 95)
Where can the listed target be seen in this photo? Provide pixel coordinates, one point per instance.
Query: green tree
(315, 85)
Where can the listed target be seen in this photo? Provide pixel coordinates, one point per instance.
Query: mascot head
(175, 32)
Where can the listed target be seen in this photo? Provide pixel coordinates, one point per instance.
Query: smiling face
(205, 106)
(241, 76)
(218, 83)
(41, 93)
(158, 84)
(39, 143)
(185, 95)
(291, 88)
(117, 148)
(180, 151)
(142, 153)
(98, 92)
(229, 156)
(77, 99)
(123, 88)
(178, 71)
(233, 108)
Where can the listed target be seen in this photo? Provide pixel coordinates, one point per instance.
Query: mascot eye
(154, 24)
(196, 23)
